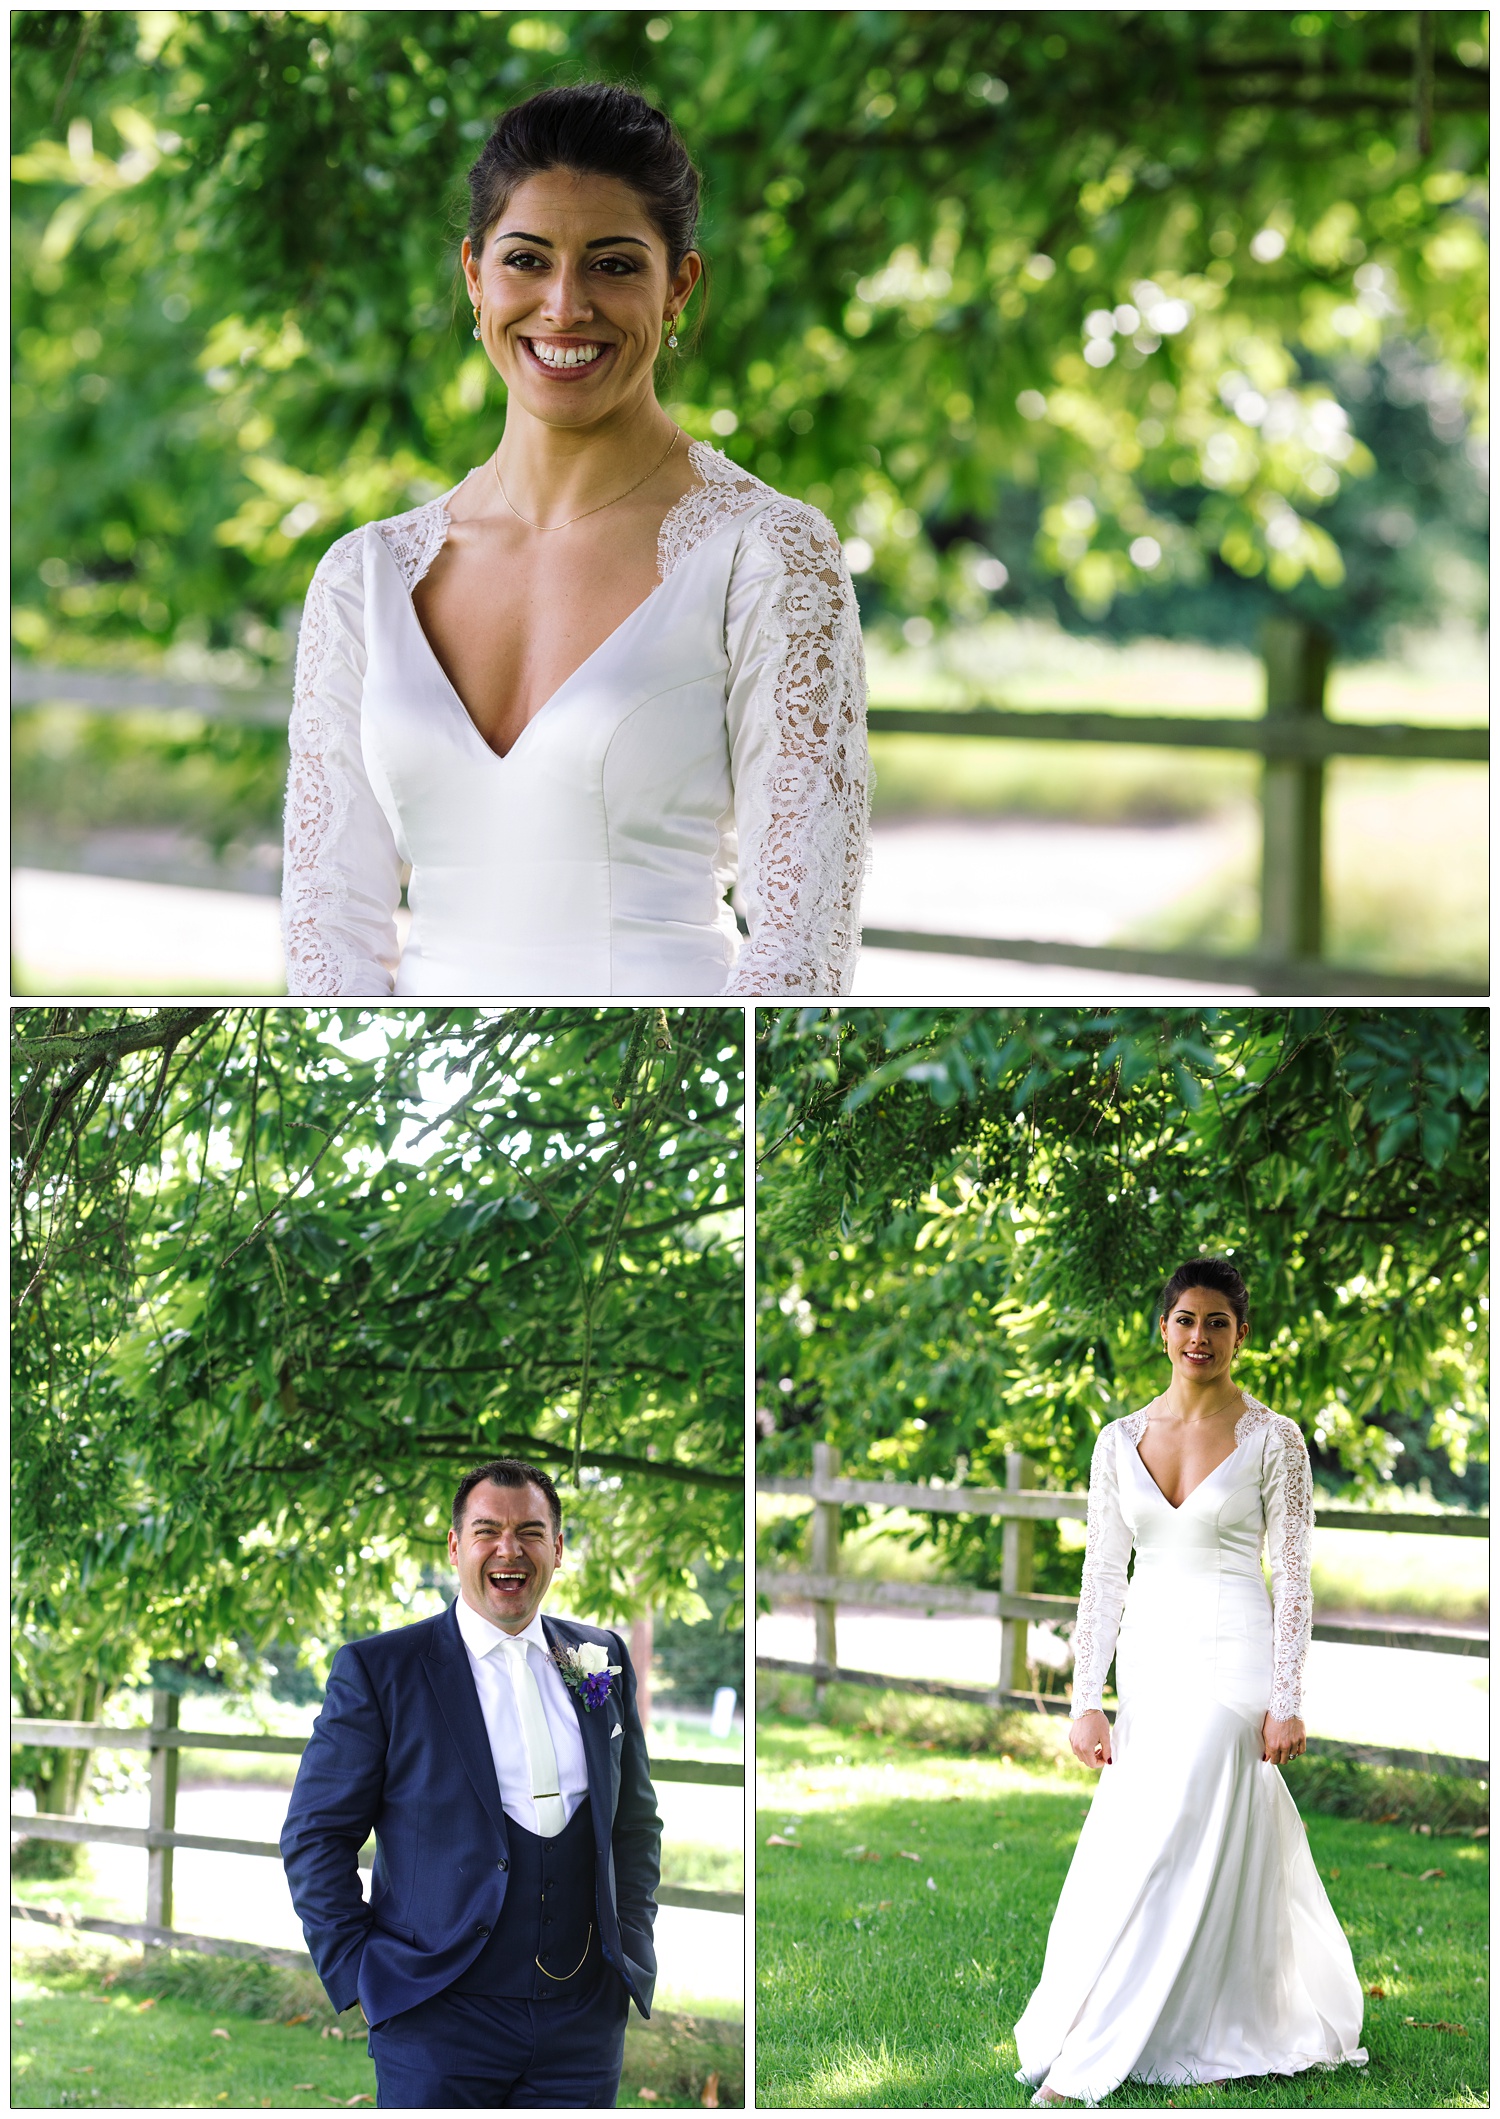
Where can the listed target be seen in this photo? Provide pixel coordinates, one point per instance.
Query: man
(499, 1758)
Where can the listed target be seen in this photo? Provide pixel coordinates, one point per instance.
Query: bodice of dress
(1201, 1557)
(718, 732)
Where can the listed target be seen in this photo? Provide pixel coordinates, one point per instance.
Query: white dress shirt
(502, 1720)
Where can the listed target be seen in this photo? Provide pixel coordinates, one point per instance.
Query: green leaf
(1395, 1136)
(1440, 1131)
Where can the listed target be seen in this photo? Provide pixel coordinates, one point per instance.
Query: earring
(476, 323)
(671, 331)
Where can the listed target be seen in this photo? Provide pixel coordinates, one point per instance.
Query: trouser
(464, 2050)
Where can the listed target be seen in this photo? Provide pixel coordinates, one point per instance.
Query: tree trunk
(63, 1776)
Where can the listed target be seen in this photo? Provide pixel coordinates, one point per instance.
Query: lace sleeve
(1286, 1493)
(1106, 1559)
(341, 873)
(799, 754)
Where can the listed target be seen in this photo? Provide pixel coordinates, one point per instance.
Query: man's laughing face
(506, 1553)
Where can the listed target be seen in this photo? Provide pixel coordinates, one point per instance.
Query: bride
(1193, 1940)
(605, 677)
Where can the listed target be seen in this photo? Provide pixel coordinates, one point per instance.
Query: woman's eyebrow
(603, 242)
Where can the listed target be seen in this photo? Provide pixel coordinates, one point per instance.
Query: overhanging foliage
(280, 1275)
(1098, 252)
(965, 1219)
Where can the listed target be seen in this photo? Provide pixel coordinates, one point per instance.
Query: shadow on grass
(901, 1927)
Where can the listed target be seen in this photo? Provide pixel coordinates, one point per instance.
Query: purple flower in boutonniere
(586, 1671)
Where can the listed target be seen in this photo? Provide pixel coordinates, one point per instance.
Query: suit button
(502, 1863)
(481, 1930)
(546, 1920)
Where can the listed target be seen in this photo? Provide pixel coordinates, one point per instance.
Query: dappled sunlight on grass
(858, 2076)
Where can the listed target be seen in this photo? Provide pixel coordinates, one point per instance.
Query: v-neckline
(1178, 1506)
(503, 757)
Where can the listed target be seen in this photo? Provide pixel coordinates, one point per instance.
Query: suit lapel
(452, 1681)
(594, 1727)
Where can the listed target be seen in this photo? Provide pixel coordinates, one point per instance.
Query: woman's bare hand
(1089, 1737)
(1282, 1740)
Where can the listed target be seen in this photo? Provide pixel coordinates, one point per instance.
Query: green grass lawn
(75, 2041)
(884, 1979)
(94, 2026)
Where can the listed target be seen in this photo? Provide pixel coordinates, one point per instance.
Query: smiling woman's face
(572, 286)
(1200, 1334)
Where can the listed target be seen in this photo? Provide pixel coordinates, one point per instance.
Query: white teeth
(568, 357)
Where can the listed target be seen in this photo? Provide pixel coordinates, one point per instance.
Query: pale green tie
(550, 1817)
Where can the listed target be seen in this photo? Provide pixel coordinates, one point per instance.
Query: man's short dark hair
(505, 1471)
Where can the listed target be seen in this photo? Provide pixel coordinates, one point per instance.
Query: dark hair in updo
(1215, 1273)
(602, 131)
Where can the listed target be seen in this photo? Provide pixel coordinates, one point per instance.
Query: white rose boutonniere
(586, 1671)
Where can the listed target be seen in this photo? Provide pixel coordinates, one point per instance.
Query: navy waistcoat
(547, 1939)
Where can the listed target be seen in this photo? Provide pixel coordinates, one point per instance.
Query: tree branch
(467, 1448)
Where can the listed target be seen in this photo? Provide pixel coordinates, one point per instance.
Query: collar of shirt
(483, 1636)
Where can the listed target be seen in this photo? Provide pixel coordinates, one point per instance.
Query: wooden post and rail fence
(1020, 1507)
(1293, 737)
(165, 1740)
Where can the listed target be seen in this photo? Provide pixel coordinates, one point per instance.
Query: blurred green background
(1100, 335)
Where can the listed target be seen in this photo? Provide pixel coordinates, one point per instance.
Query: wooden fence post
(827, 1528)
(1291, 878)
(1017, 1551)
(164, 1758)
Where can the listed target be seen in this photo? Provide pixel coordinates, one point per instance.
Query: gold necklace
(500, 482)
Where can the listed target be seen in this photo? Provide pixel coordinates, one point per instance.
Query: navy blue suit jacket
(400, 1747)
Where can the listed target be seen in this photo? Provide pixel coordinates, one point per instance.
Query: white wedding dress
(717, 733)
(1193, 1940)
